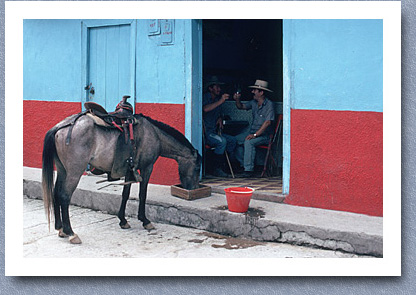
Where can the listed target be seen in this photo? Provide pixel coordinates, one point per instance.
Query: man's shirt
(260, 114)
(211, 117)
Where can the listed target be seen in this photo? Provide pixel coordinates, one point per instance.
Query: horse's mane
(169, 130)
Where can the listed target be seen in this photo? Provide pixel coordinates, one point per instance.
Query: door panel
(109, 64)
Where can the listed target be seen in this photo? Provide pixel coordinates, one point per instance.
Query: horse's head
(189, 171)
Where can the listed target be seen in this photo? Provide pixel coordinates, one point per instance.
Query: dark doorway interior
(241, 51)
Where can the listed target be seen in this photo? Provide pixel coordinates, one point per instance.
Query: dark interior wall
(241, 51)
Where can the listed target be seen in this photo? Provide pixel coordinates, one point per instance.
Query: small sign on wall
(167, 30)
(153, 27)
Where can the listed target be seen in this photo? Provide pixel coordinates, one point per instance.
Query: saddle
(123, 112)
(123, 120)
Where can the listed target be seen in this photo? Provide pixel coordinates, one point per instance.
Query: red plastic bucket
(238, 198)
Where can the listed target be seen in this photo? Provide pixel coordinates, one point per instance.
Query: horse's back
(84, 143)
(71, 130)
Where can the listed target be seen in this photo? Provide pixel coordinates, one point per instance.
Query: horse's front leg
(125, 197)
(142, 200)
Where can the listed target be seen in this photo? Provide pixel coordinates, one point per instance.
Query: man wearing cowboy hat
(258, 134)
(212, 108)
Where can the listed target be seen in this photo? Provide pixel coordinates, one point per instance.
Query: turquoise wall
(334, 64)
(161, 69)
(52, 60)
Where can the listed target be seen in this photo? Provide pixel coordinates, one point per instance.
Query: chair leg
(272, 164)
(264, 170)
(266, 160)
(229, 164)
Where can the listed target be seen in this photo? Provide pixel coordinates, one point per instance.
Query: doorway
(239, 52)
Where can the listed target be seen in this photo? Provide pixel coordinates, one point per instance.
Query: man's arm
(212, 106)
(261, 130)
(238, 103)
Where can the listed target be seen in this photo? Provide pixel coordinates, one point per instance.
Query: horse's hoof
(61, 234)
(149, 226)
(75, 240)
(125, 226)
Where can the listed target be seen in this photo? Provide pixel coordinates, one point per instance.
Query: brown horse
(94, 145)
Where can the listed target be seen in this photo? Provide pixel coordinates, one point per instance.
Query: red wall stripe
(165, 170)
(337, 161)
(38, 118)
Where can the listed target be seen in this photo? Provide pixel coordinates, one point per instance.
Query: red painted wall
(337, 161)
(165, 170)
(38, 118)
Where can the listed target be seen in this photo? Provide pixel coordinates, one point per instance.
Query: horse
(77, 142)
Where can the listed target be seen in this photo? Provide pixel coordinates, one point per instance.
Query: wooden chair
(269, 160)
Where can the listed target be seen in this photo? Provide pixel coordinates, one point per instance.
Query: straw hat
(262, 85)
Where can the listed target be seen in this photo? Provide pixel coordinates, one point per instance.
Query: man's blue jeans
(221, 143)
(247, 157)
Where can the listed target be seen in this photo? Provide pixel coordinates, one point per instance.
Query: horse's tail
(48, 156)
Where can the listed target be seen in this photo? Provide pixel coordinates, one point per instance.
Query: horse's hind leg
(57, 205)
(67, 229)
(63, 191)
(122, 212)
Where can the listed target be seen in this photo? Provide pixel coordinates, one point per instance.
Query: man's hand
(250, 136)
(211, 106)
(220, 125)
(238, 104)
(225, 96)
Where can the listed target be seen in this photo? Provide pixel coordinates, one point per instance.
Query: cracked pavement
(103, 238)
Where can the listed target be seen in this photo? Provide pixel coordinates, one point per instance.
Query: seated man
(211, 105)
(258, 134)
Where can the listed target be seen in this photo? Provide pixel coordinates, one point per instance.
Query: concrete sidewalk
(265, 221)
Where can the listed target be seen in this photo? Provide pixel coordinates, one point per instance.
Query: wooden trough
(202, 192)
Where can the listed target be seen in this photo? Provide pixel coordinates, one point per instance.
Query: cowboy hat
(213, 81)
(262, 85)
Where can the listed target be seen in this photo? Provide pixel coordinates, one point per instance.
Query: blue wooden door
(110, 63)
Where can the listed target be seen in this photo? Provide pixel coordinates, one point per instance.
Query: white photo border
(389, 11)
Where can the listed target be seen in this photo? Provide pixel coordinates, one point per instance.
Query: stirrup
(137, 176)
(109, 179)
